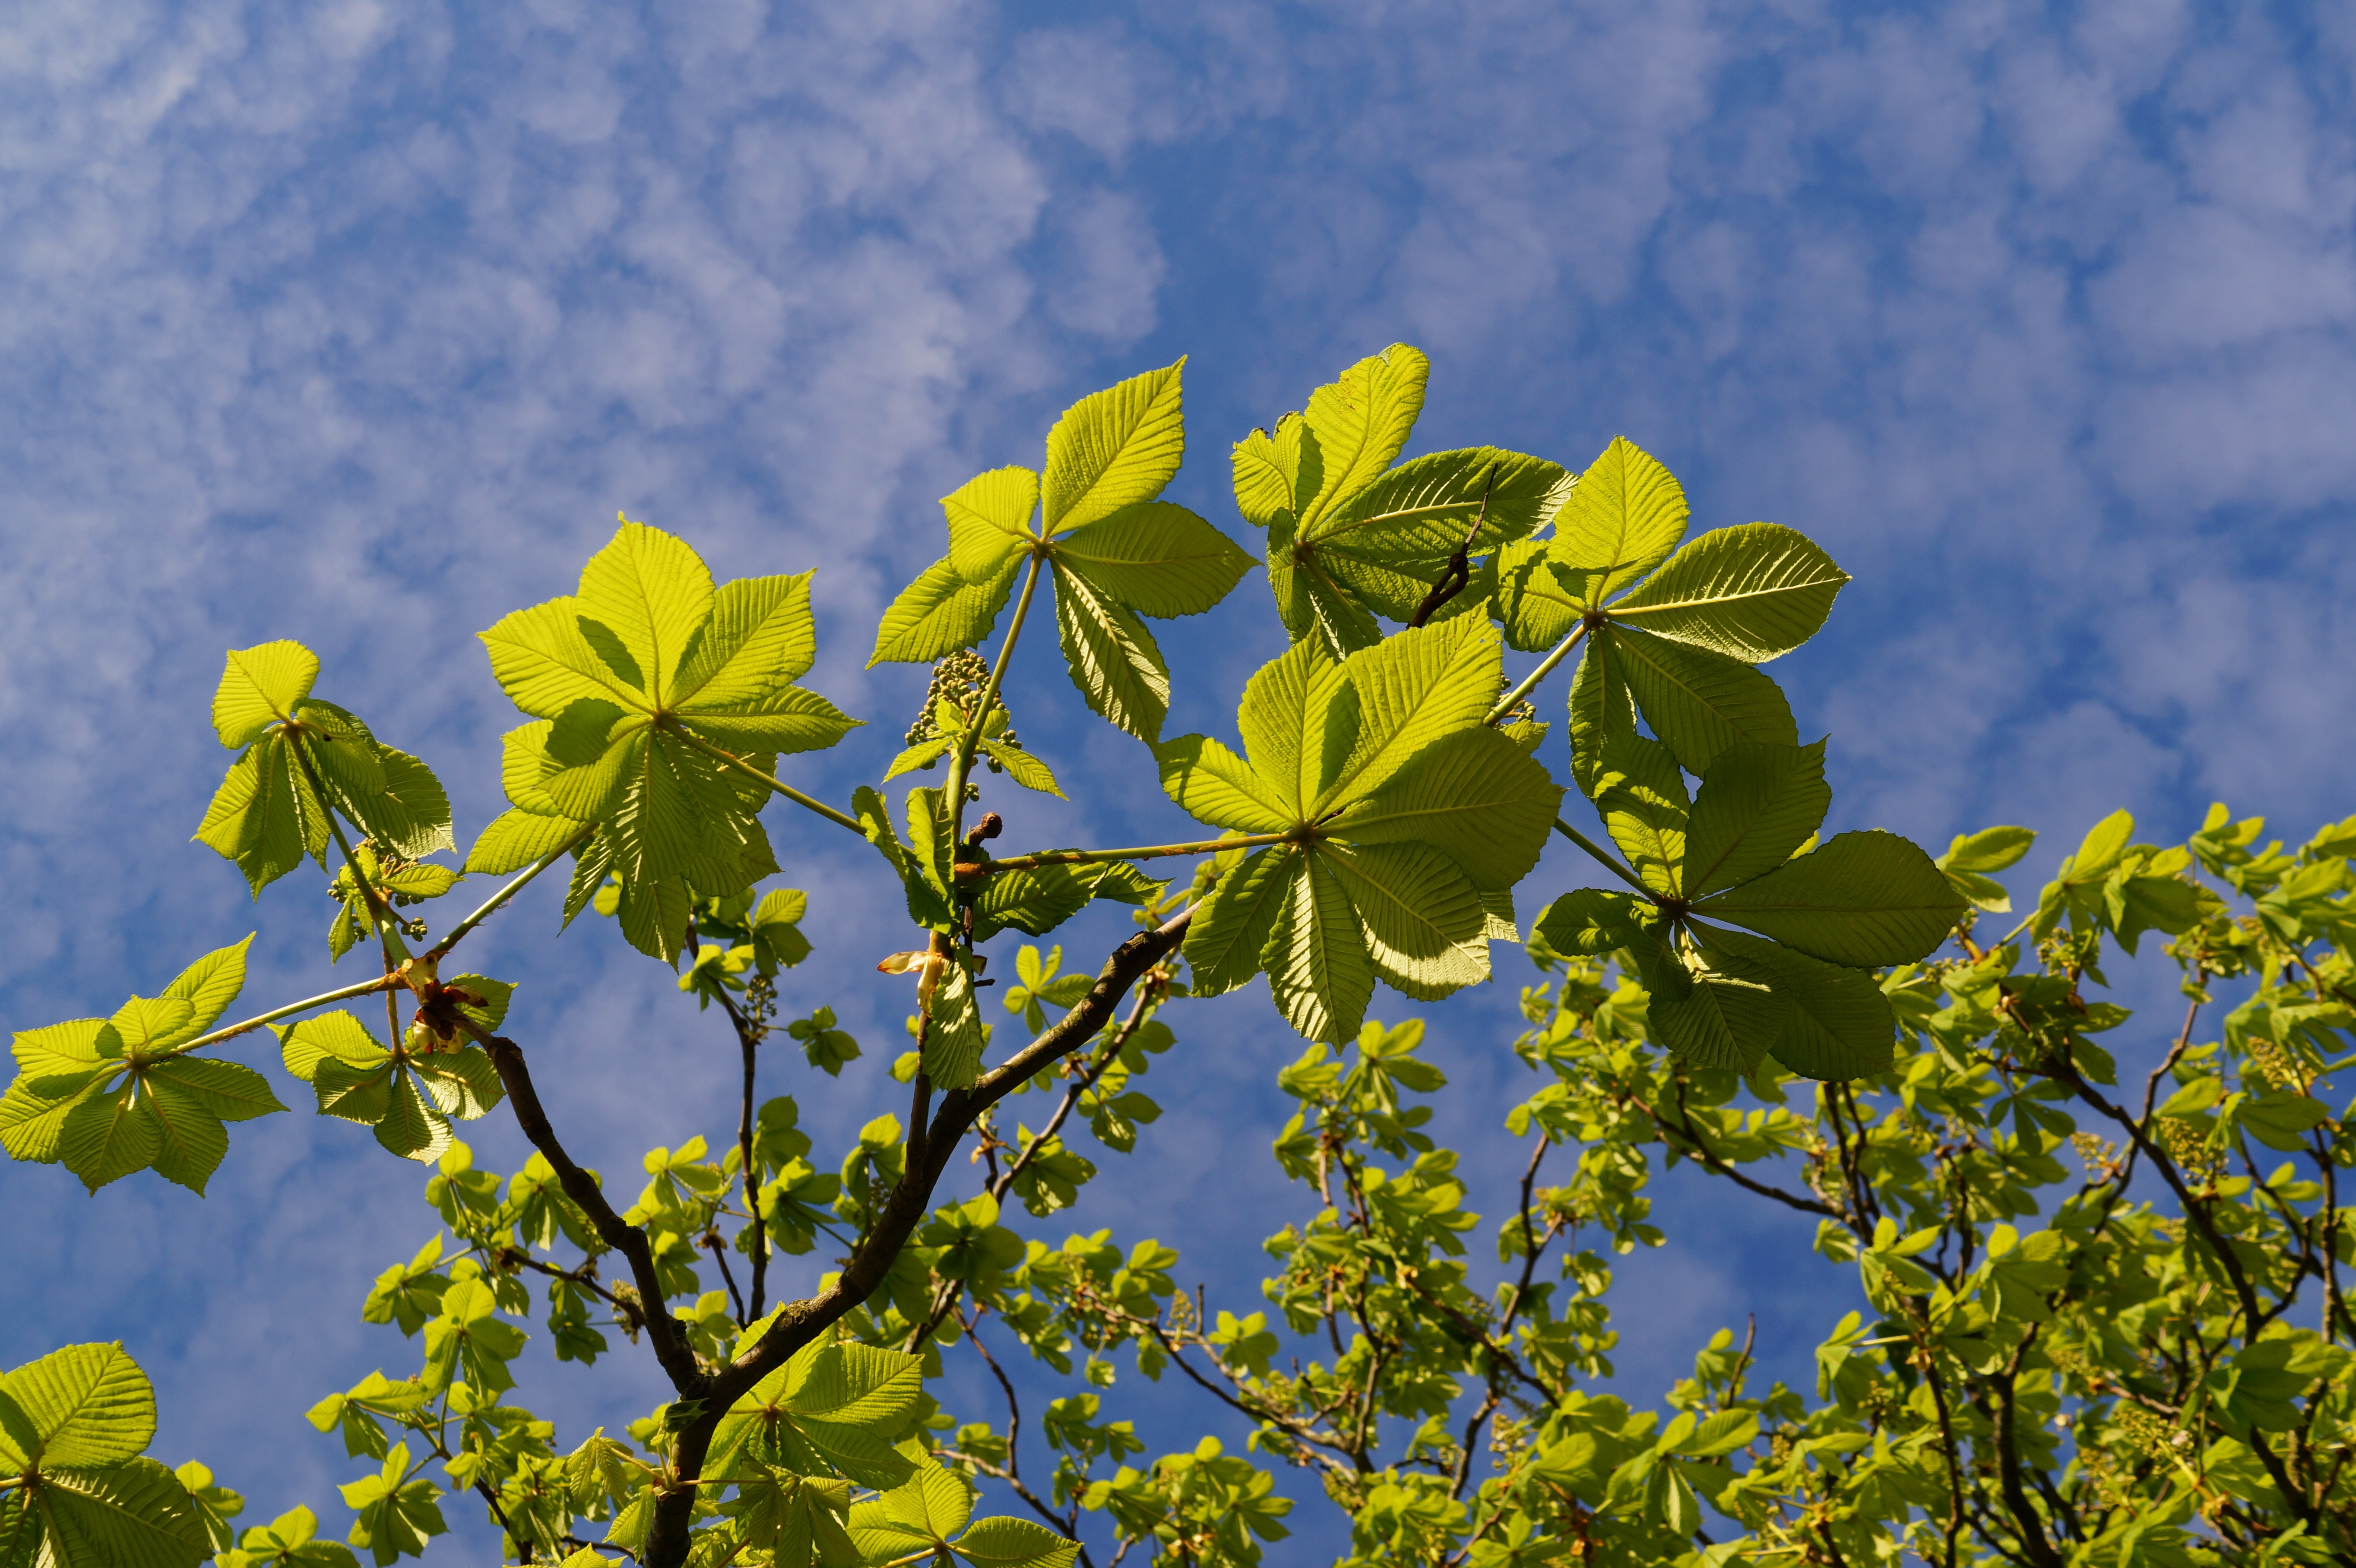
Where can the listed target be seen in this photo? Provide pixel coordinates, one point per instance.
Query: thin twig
(1610, 862)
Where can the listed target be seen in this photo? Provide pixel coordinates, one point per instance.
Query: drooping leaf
(1601, 708)
(953, 1033)
(264, 817)
(1715, 1015)
(1642, 799)
(1113, 659)
(1421, 919)
(1317, 962)
(1234, 924)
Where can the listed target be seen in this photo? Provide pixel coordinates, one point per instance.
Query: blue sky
(357, 323)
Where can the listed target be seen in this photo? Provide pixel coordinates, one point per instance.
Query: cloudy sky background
(357, 323)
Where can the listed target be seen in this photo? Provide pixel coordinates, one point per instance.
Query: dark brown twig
(1459, 572)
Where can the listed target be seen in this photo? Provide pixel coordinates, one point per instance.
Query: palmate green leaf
(1752, 592)
(1532, 606)
(396, 1516)
(1113, 659)
(953, 1035)
(258, 688)
(1696, 701)
(1360, 421)
(1410, 520)
(1416, 820)
(1642, 799)
(649, 648)
(1593, 921)
(648, 592)
(80, 1406)
(1758, 803)
(1312, 601)
(1830, 1022)
(135, 1514)
(759, 639)
(1318, 966)
(1157, 558)
(1624, 516)
(831, 1406)
(516, 838)
(1400, 696)
(1421, 920)
(1213, 785)
(1229, 932)
(796, 1519)
(1277, 475)
(264, 817)
(408, 1099)
(1003, 1542)
(167, 1116)
(290, 1540)
(1860, 900)
(1114, 448)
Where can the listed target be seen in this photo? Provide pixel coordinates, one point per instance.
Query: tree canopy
(2099, 1319)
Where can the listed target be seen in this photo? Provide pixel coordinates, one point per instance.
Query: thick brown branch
(670, 1346)
(801, 1322)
